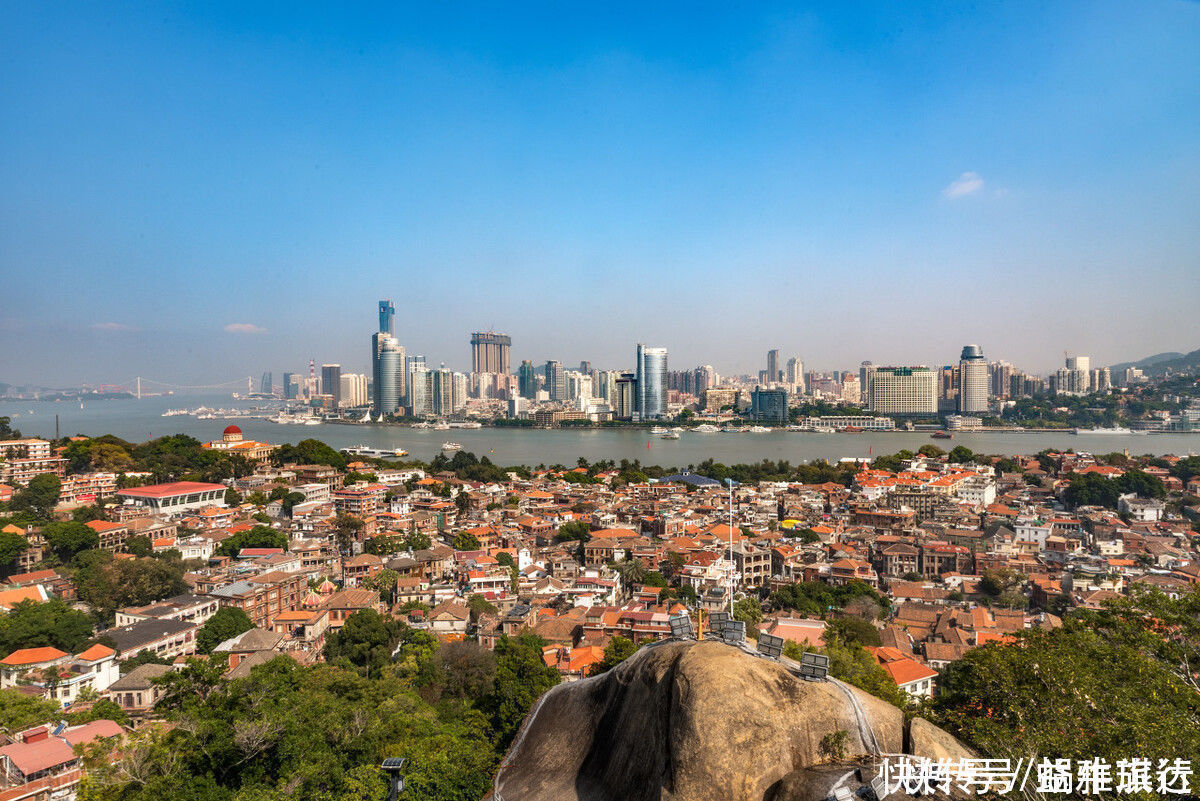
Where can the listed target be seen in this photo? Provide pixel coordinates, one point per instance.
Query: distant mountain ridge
(1161, 362)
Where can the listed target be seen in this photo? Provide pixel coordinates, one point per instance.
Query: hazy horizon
(193, 195)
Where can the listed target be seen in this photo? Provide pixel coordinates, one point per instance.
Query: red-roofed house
(910, 675)
(112, 535)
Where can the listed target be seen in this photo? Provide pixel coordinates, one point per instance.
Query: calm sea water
(137, 421)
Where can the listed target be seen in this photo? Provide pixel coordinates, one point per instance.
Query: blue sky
(198, 192)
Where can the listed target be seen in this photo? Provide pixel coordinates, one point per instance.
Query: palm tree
(631, 571)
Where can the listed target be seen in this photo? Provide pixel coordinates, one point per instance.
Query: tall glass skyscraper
(651, 395)
(527, 380)
(387, 317)
(387, 364)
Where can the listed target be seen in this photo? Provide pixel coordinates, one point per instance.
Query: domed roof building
(233, 441)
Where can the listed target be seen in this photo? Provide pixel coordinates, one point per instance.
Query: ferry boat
(759, 430)
(706, 428)
(667, 434)
(941, 435)
(375, 453)
(1114, 430)
(658, 430)
(441, 425)
(451, 446)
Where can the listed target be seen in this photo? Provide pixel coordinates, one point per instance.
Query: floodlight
(681, 626)
(392, 767)
(814, 667)
(717, 622)
(770, 645)
(734, 632)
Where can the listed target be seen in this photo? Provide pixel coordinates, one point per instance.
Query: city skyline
(248, 182)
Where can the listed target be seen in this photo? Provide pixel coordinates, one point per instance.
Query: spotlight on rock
(734, 632)
(814, 667)
(770, 646)
(681, 626)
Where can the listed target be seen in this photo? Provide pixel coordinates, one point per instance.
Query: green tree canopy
(617, 651)
(30, 624)
(38, 497)
(365, 641)
(228, 622)
(258, 537)
(70, 539)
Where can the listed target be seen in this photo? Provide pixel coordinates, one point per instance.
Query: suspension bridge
(138, 384)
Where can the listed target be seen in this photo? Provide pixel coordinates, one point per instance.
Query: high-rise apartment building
(489, 352)
(973, 381)
(420, 390)
(605, 386)
(904, 391)
(794, 375)
(353, 390)
(556, 380)
(651, 396)
(1001, 374)
(331, 382)
(1079, 379)
(626, 389)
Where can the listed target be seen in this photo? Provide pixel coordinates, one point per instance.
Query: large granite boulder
(685, 721)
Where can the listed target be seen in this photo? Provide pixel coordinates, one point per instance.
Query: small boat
(669, 435)
(759, 430)
(941, 435)
(312, 421)
(658, 430)
(451, 446)
(441, 425)
(706, 428)
(851, 430)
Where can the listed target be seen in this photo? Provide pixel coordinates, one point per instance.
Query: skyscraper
(773, 365)
(527, 380)
(291, 386)
(556, 380)
(489, 352)
(331, 382)
(651, 395)
(387, 317)
(866, 373)
(795, 374)
(973, 380)
(387, 364)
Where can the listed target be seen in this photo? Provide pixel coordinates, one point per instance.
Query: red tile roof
(32, 656)
(170, 490)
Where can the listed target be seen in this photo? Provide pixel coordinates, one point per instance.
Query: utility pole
(731, 560)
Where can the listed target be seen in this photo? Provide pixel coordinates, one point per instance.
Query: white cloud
(244, 328)
(966, 184)
(110, 326)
